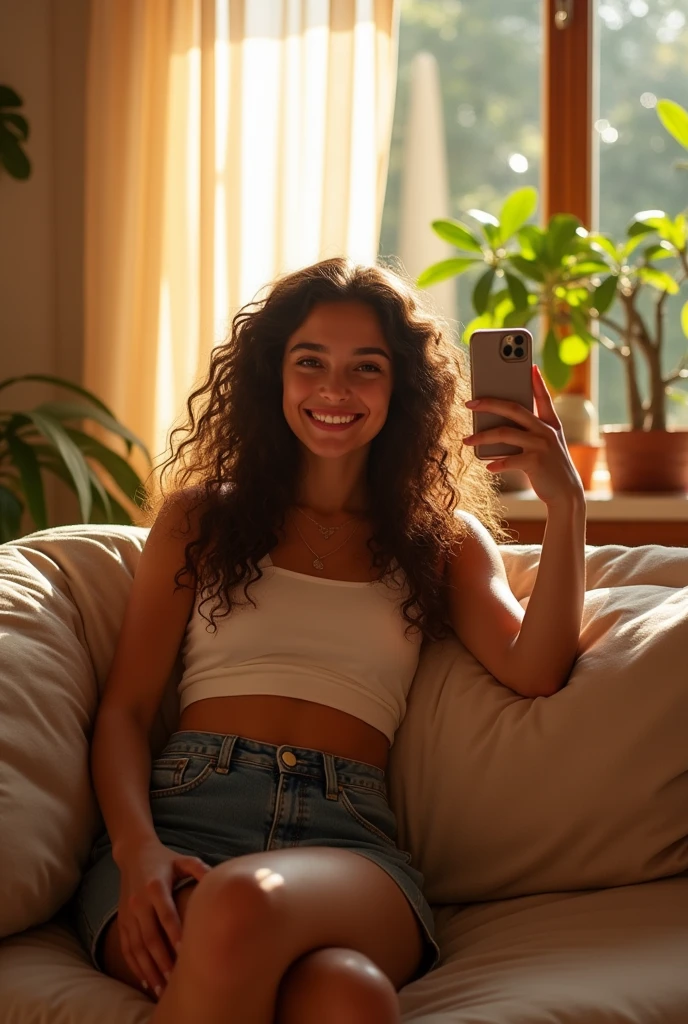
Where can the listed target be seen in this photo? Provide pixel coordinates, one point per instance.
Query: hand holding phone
(501, 367)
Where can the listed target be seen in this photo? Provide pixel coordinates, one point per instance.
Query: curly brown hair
(240, 461)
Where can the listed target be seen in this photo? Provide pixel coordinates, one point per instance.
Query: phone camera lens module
(518, 353)
(507, 350)
(519, 339)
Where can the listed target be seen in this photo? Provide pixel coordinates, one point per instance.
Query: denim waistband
(319, 764)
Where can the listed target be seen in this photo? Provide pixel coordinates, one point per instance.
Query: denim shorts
(218, 796)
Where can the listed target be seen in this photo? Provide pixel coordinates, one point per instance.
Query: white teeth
(332, 419)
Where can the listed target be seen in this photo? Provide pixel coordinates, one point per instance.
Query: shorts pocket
(370, 810)
(173, 774)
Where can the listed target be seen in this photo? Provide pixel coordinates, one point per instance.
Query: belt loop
(331, 777)
(226, 749)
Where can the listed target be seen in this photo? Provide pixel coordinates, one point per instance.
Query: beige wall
(43, 47)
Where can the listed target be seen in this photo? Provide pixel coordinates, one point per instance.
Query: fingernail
(473, 402)
(158, 990)
(168, 975)
(144, 984)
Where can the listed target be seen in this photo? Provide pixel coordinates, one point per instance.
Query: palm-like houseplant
(39, 440)
(571, 278)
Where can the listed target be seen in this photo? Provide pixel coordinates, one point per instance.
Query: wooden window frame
(567, 179)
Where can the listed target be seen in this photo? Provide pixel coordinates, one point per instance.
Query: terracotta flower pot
(646, 460)
(584, 458)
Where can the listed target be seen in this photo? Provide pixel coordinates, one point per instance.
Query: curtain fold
(227, 142)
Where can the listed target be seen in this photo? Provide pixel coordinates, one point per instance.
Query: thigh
(309, 898)
(113, 959)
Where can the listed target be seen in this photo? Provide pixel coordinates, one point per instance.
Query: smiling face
(337, 378)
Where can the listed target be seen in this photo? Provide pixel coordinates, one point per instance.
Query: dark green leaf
(74, 411)
(528, 268)
(532, 240)
(556, 372)
(481, 292)
(73, 458)
(18, 122)
(517, 291)
(24, 459)
(13, 156)
(11, 510)
(604, 244)
(660, 251)
(604, 294)
(9, 98)
(445, 269)
(456, 234)
(560, 233)
(119, 469)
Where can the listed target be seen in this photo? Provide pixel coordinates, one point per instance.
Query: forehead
(341, 323)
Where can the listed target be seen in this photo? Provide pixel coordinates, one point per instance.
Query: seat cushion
(612, 957)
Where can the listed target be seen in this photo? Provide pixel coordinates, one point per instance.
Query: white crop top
(327, 641)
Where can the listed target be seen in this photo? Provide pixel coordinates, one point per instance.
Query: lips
(333, 426)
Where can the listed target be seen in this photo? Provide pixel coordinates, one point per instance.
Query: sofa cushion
(62, 597)
(500, 795)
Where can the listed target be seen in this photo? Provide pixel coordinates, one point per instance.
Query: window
(570, 111)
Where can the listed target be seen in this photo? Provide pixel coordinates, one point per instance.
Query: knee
(337, 985)
(231, 913)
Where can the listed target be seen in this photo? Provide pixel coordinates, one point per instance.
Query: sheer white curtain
(227, 141)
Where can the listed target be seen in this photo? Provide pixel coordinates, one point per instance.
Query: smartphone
(501, 367)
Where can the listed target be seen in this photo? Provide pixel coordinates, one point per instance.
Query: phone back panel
(494, 375)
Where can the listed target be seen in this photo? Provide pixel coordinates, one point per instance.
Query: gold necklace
(326, 531)
(318, 562)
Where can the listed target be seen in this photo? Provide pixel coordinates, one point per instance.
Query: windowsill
(603, 505)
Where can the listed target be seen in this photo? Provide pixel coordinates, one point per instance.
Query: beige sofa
(553, 833)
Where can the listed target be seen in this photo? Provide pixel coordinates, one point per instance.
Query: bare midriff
(289, 720)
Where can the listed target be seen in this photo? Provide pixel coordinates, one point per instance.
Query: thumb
(193, 866)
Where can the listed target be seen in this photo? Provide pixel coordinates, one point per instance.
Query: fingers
(138, 958)
(194, 866)
(508, 435)
(543, 399)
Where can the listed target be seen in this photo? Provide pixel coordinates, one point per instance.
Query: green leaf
(573, 350)
(684, 319)
(480, 323)
(517, 209)
(675, 120)
(481, 292)
(679, 234)
(11, 510)
(9, 98)
(445, 269)
(517, 291)
(560, 233)
(16, 162)
(603, 244)
(659, 279)
(489, 224)
(457, 234)
(532, 240)
(520, 317)
(660, 251)
(580, 324)
(73, 411)
(604, 294)
(528, 268)
(73, 458)
(24, 458)
(119, 469)
(556, 372)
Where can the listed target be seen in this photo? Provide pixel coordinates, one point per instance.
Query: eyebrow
(312, 347)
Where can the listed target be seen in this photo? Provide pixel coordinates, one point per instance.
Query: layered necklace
(327, 532)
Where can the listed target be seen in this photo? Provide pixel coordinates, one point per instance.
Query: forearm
(120, 766)
(545, 649)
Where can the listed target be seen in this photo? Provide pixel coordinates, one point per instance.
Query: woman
(252, 874)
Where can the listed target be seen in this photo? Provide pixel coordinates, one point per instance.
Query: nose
(334, 387)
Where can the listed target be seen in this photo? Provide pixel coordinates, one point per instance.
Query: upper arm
(484, 613)
(155, 617)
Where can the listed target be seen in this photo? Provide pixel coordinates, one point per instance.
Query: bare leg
(251, 918)
(336, 986)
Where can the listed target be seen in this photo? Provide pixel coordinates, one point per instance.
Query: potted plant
(39, 439)
(572, 278)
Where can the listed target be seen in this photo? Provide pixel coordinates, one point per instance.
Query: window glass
(642, 56)
(489, 59)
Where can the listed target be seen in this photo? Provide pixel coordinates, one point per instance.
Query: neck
(332, 486)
